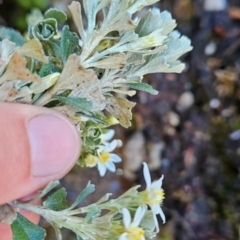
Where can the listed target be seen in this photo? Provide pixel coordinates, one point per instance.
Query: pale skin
(37, 145)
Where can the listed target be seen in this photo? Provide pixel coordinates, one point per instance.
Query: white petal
(139, 215)
(111, 146)
(158, 184)
(162, 215)
(146, 174)
(123, 237)
(156, 222)
(102, 169)
(115, 158)
(126, 217)
(110, 166)
(109, 135)
(156, 208)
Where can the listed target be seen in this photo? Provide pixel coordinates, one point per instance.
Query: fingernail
(54, 144)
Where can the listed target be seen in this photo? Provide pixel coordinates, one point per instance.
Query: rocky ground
(190, 132)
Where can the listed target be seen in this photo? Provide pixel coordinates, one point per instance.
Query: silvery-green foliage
(139, 47)
(80, 73)
(113, 54)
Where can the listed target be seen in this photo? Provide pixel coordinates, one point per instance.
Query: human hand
(37, 145)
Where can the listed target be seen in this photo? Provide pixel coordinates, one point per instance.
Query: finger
(37, 145)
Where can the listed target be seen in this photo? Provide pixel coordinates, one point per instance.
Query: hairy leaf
(23, 229)
(93, 212)
(59, 15)
(54, 47)
(90, 188)
(69, 43)
(57, 201)
(94, 118)
(33, 49)
(16, 70)
(80, 104)
(45, 30)
(47, 69)
(117, 61)
(57, 231)
(121, 109)
(46, 190)
(46, 83)
(9, 92)
(140, 4)
(6, 49)
(75, 9)
(12, 35)
(154, 20)
(143, 87)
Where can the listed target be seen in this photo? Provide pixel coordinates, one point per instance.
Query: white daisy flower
(132, 231)
(153, 195)
(106, 159)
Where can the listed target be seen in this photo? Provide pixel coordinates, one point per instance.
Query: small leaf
(104, 198)
(59, 15)
(75, 9)
(46, 190)
(54, 47)
(139, 5)
(69, 43)
(120, 108)
(12, 35)
(45, 30)
(23, 229)
(117, 61)
(47, 69)
(17, 70)
(57, 231)
(33, 49)
(90, 188)
(94, 118)
(143, 87)
(46, 83)
(93, 212)
(6, 49)
(9, 92)
(34, 17)
(57, 201)
(78, 103)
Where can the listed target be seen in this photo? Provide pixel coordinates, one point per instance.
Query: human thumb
(37, 145)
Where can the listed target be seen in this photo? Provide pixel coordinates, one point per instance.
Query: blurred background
(190, 131)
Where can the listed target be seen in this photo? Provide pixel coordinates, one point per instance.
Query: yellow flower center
(158, 196)
(104, 157)
(91, 160)
(135, 233)
(152, 196)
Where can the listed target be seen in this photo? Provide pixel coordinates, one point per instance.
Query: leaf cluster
(87, 76)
